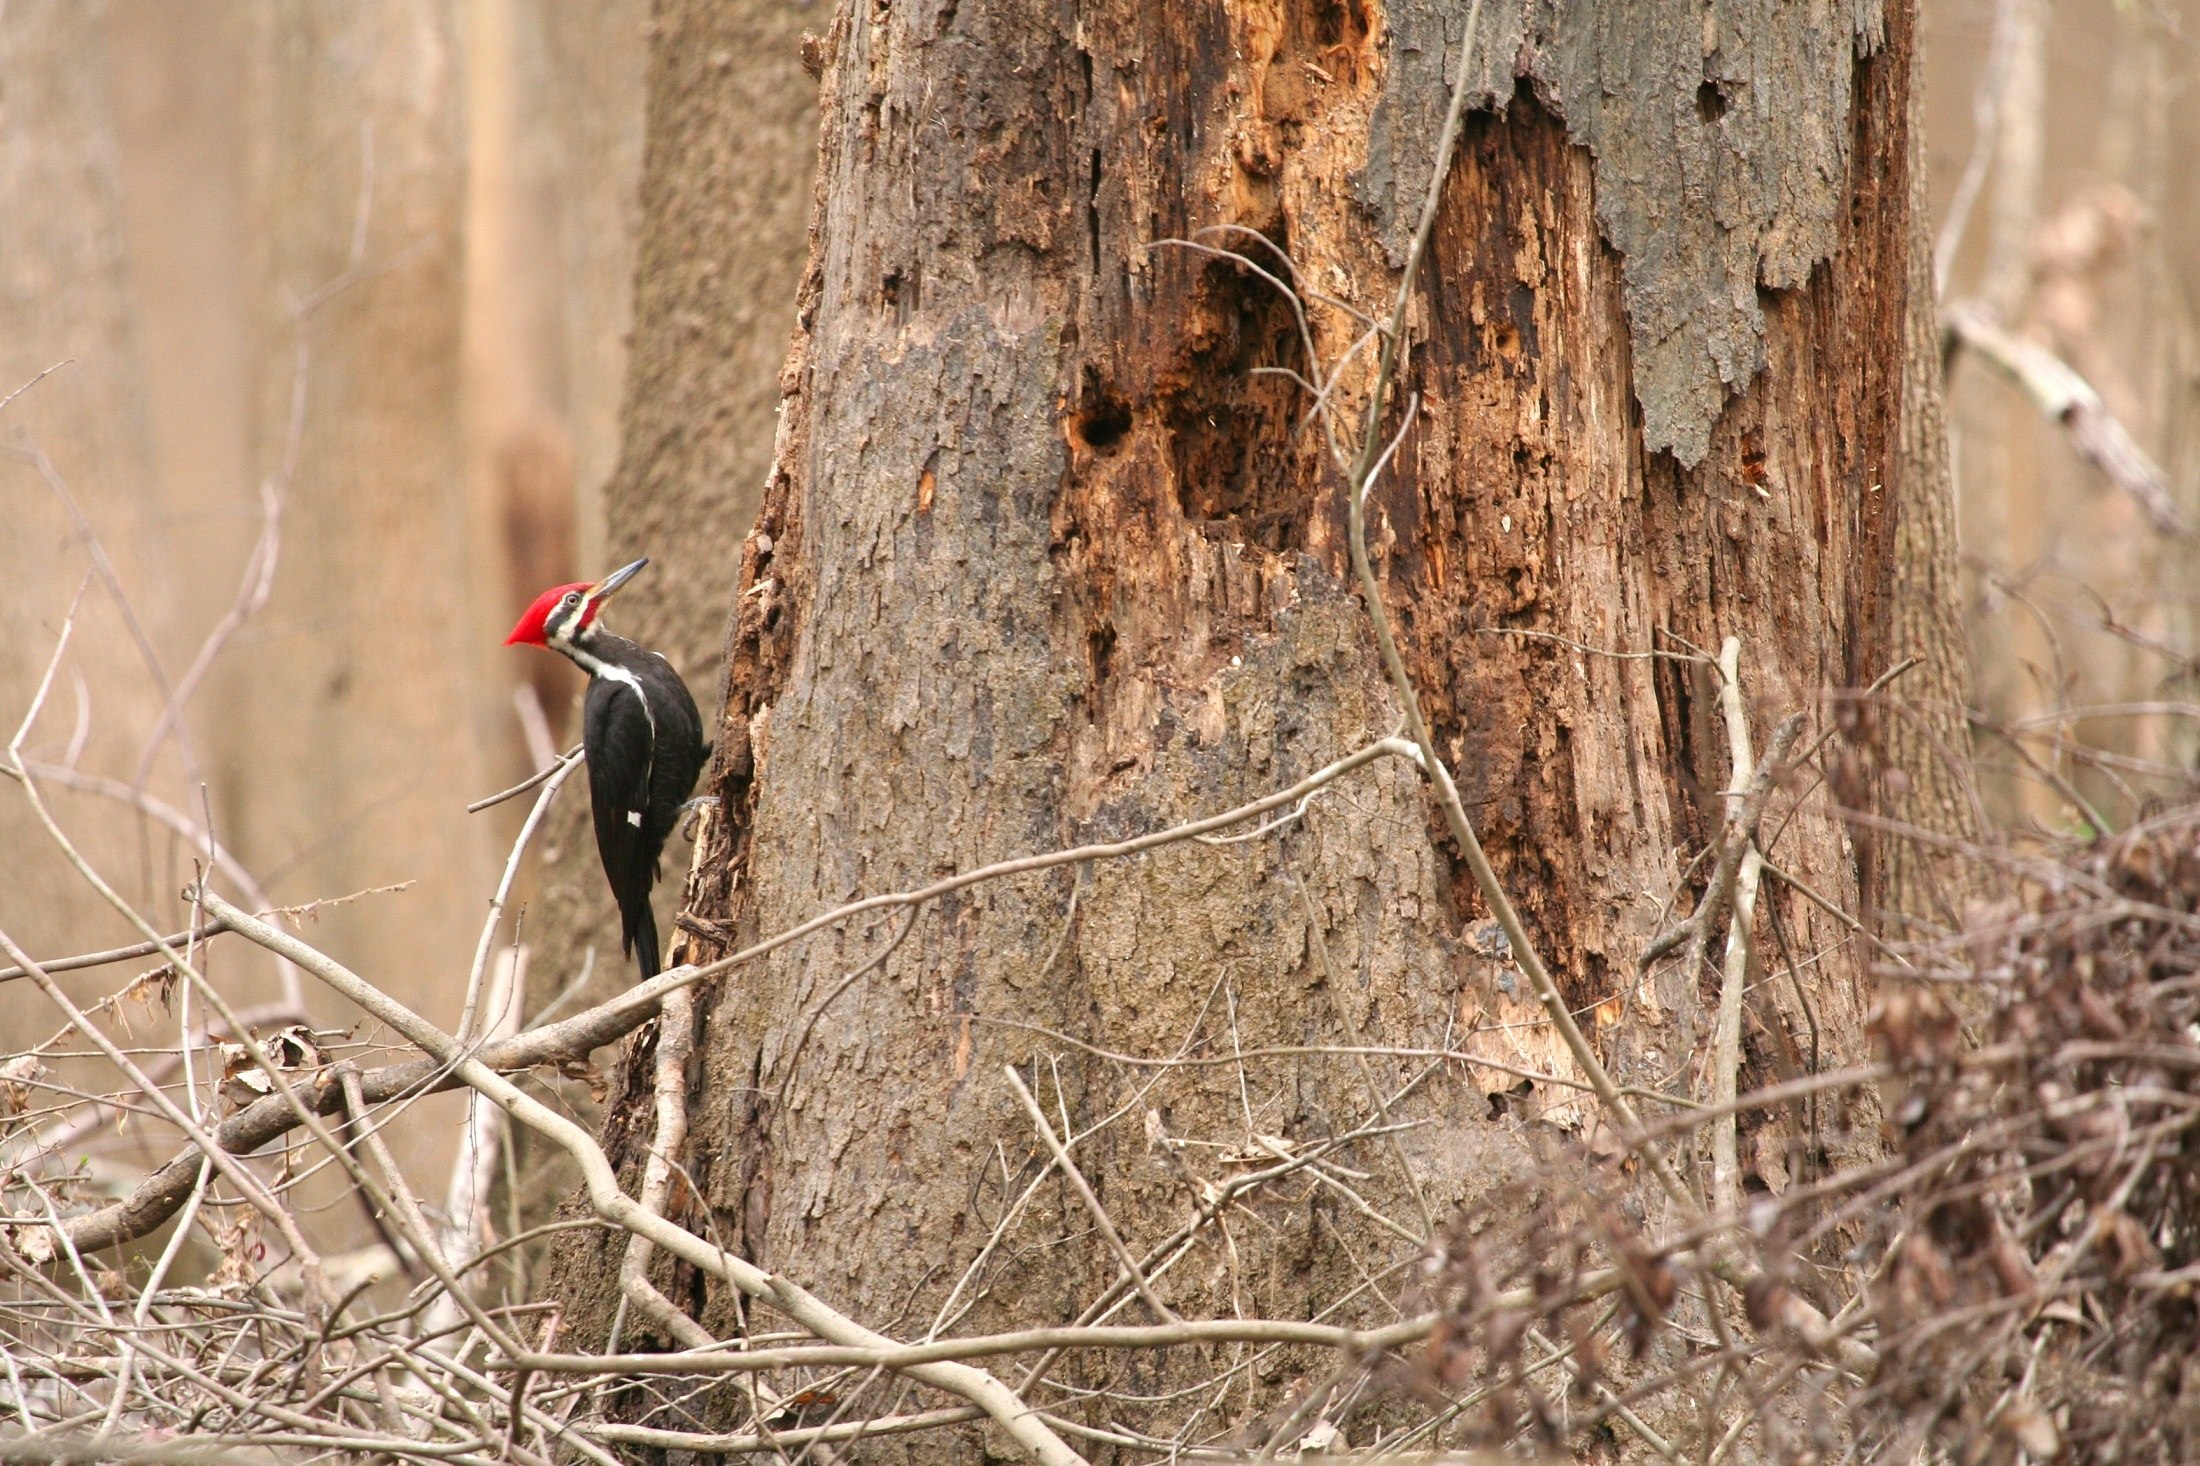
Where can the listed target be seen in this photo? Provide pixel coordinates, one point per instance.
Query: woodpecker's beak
(609, 585)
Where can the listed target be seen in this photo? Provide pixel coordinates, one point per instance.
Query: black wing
(622, 748)
(680, 751)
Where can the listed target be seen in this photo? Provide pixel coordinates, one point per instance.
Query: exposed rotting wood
(1525, 500)
(1720, 141)
(1043, 560)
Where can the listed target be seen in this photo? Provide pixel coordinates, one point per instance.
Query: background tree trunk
(590, 104)
(729, 148)
(1924, 732)
(1042, 560)
(2054, 129)
(346, 695)
(64, 296)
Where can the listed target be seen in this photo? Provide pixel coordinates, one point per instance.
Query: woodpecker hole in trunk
(1232, 427)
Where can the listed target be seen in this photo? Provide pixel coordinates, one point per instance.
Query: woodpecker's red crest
(568, 608)
(531, 629)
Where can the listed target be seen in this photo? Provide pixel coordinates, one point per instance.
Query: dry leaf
(17, 1076)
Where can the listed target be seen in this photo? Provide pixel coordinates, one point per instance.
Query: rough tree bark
(1043, 560)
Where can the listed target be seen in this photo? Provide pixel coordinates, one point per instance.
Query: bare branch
(556, 777)
(2063, 396)
(572, 755)
(675, 1043)
(1363, 1343)
(34, 381)
(1726, 1057)
(118, 954)
(981, 1389)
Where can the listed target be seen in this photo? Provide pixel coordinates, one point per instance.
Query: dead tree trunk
(1048, 557)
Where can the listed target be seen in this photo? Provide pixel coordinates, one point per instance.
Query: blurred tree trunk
(65, 298)
(519, 459)
(2082, 244)
(176, 95)
(1042, 560)
(590, 109)
(1923, 732)
(354, 703)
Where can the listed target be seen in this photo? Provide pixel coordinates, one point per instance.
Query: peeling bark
(1719, 139)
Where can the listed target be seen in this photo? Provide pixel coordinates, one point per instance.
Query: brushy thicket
(2043, 1283)
(2012, 1280)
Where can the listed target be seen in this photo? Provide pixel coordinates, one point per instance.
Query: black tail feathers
(641, 939)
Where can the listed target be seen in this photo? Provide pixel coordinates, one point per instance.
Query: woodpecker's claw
(690, 810)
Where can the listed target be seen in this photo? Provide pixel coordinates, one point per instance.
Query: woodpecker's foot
(689, 812)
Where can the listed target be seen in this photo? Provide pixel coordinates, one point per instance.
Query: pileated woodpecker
(644, 741)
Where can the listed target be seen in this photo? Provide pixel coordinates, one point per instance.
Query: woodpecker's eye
(572, 598)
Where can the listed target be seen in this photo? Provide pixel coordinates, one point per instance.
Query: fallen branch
(2066, 397)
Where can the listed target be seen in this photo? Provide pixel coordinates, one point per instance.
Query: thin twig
(1077, 1181)
(555, 777)
(572, 755)
(604, 1193)
(158, 809)
(34, 381)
